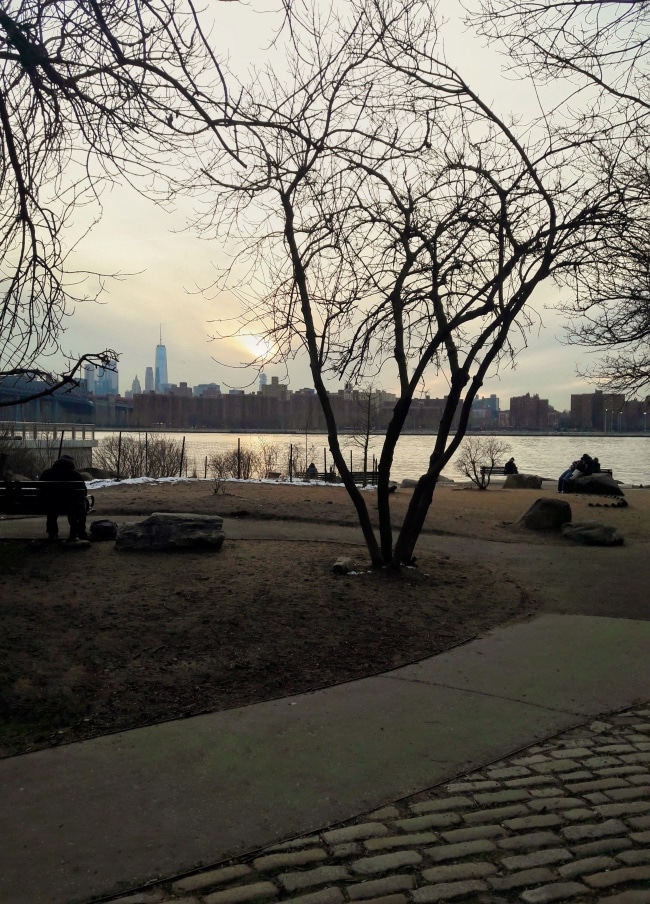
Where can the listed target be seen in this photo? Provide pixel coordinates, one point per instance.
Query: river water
(547, 456)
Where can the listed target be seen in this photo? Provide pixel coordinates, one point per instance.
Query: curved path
(113, 813)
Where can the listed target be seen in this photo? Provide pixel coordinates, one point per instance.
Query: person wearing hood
(65, 494)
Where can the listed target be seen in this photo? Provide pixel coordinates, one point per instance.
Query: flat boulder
(595, 484)
(172, 530)
(546, 514)
(592, 533)
(522, 482)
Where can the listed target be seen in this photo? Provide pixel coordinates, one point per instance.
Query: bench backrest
(32, 496)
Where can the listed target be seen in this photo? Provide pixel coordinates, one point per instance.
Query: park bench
(489, 470)
(26, 497)
(372, 477)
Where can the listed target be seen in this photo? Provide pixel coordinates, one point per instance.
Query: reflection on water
(548, 456)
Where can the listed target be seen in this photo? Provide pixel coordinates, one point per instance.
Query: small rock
(592, 533)
(343, 565)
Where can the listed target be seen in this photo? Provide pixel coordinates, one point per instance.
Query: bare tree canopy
(392, 224)
(613, 299)
(602, 43)
(90, 91)
(599, 50)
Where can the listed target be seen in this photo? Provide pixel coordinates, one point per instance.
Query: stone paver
(566, 820)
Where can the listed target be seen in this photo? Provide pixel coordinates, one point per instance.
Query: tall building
(161, 380)
(107, 380)
(89, 376)
(135, 386)
(528, 413)
(148, 380)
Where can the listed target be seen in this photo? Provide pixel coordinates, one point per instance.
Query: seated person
(574, 470)
(587, 465)
(510, 467)
(311, 472)
(65, 495)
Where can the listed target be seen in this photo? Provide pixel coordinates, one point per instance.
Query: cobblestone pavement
(566, 820)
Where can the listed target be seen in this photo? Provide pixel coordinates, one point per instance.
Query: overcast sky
(163, 265)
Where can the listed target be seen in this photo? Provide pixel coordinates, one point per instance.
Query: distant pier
(50, 440)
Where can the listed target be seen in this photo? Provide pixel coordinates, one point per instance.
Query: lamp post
(605, 420)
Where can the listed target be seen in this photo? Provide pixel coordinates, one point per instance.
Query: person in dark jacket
(65, 494)
(510, 467)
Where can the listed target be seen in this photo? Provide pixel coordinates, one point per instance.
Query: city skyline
(151, 383)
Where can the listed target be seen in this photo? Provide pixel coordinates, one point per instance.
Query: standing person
(65, 494)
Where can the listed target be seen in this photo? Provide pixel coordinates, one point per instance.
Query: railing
(27, 431)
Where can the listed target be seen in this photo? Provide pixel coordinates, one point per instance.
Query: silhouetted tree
(91, 91)
(597, 52)
(394, 224)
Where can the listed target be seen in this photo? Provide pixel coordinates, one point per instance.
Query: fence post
(146, 455)
(205, 470)
(61, 443)
(180, 471)
(119, 454)
(290, 462)
(238, 458)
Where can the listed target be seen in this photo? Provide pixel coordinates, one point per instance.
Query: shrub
(137, 456)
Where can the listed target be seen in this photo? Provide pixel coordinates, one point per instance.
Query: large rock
(595, 484)
(410, 483)
(522, 482)
(592, 533)
(547, 514)
(172, 530)
(96, 474)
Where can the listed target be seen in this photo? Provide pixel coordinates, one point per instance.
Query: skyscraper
(161, 380)
(107, 380)
(148, 380)
(89, 376)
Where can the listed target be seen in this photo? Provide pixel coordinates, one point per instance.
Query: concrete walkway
(95, 818)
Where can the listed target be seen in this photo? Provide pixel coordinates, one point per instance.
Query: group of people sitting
(583, 467)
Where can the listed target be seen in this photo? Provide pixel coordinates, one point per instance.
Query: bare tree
(91, 91)
(612, 299)
(599, 51)
(394, 224)
(479, 456)
(601, 44)
(367, 422)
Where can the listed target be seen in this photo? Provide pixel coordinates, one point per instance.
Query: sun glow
(257, 347)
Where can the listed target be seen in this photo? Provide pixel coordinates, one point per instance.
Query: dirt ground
(97, 641)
